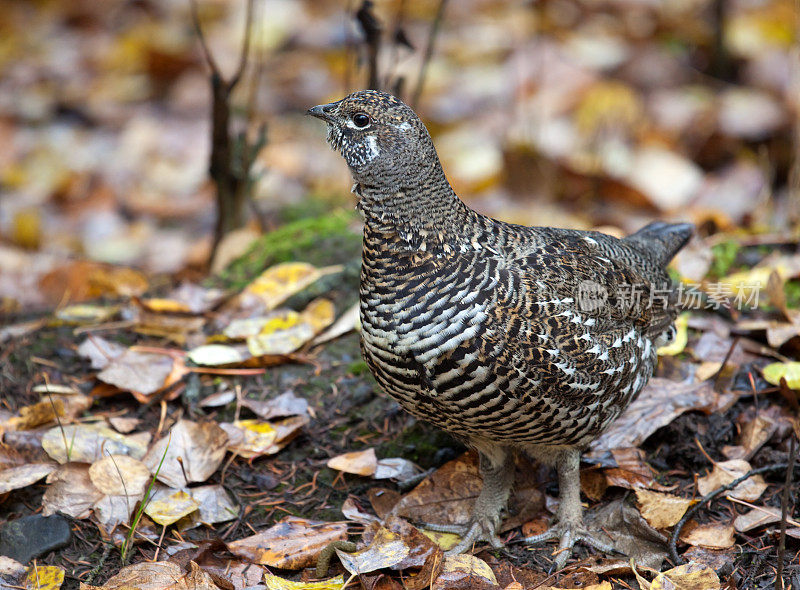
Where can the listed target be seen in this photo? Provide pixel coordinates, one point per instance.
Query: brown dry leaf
(464, 572)
(660, 403)
(620, 524)
(725, 472)
(44, 577)
(86, 443)
(358, 462)
(385, 550)
(22, 476)
(447, 496)
(177, 328)
(422, 548)
(140, 372)
(755, 518)
(293, 543)
(157, 575)
(711, 536)
(193, 450)
(83, 280)
(383, 500)
(113, 511)
(38, 414)
(119, 475)
(71, 491)
(124, 425)
(661, 510)
(252, 438)
(100, 351)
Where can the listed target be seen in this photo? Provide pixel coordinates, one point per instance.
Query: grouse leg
(569, 527)
(497, 471)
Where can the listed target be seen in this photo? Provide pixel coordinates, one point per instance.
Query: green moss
(357, 368)
(792, 291)
(725, 254)
(322, 240)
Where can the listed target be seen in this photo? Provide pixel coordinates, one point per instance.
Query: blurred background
(574, 113)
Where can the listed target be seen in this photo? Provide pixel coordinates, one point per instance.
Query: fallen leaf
(725, 472)
(191, 452)
(661, 510)
(214, 504)
(214, 355)
(86, 443)
(273, 582)
(70, 491)
(681, 337)
(22, 476)
(464, 571)
(141, 372)
(276, 284)
(293, 543)
(358, 462)
(86, 313)
(286, 404)
(790, 371)
(44, 577)
(756, 518)
(711, 536)
(166, 505)
(157, 575)
(690, 576)
(385, 550)
(346, 323)
(660, 403)
(119, 475)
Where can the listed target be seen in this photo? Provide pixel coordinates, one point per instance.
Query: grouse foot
(497, 470)
(569, 534)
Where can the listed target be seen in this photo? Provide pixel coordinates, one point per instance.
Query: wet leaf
(293, 543)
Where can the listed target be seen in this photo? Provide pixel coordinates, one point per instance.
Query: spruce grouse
(508, 337)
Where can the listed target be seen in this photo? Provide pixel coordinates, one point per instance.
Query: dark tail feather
(662, 239)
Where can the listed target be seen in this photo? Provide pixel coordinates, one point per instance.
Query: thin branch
(212, 63)
(423, 70)
(671, 546)
(248, 20)
(785, 512)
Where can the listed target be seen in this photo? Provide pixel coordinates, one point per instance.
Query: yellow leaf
(44, 577)
(319, 314)
(690, 576)
(84, 314)
(257, 438)
(789, 371)
(273, 582)
(458, 569)
(276, 284)
(171, 507)
(444, 540)
(160, 305)
(661, 510)
(608, 104)
(681, 337)
(27, 228)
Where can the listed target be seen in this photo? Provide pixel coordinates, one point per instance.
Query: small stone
(31, 536)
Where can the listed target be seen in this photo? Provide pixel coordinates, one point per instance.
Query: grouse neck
(430, 207)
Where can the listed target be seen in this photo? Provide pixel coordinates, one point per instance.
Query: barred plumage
(507, 336)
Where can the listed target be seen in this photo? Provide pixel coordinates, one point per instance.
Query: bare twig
(671, 546)
(371, 27)
(423, 70)
(785, 512)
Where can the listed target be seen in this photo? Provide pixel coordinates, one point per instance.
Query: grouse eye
(361, 120)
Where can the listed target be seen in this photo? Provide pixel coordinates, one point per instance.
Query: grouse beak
(323, 111)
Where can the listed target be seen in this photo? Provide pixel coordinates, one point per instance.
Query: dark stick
(673, 552)
(371, 27)
(785, 512)
(423, 70)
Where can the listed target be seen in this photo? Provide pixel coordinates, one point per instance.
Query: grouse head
(382, 140)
